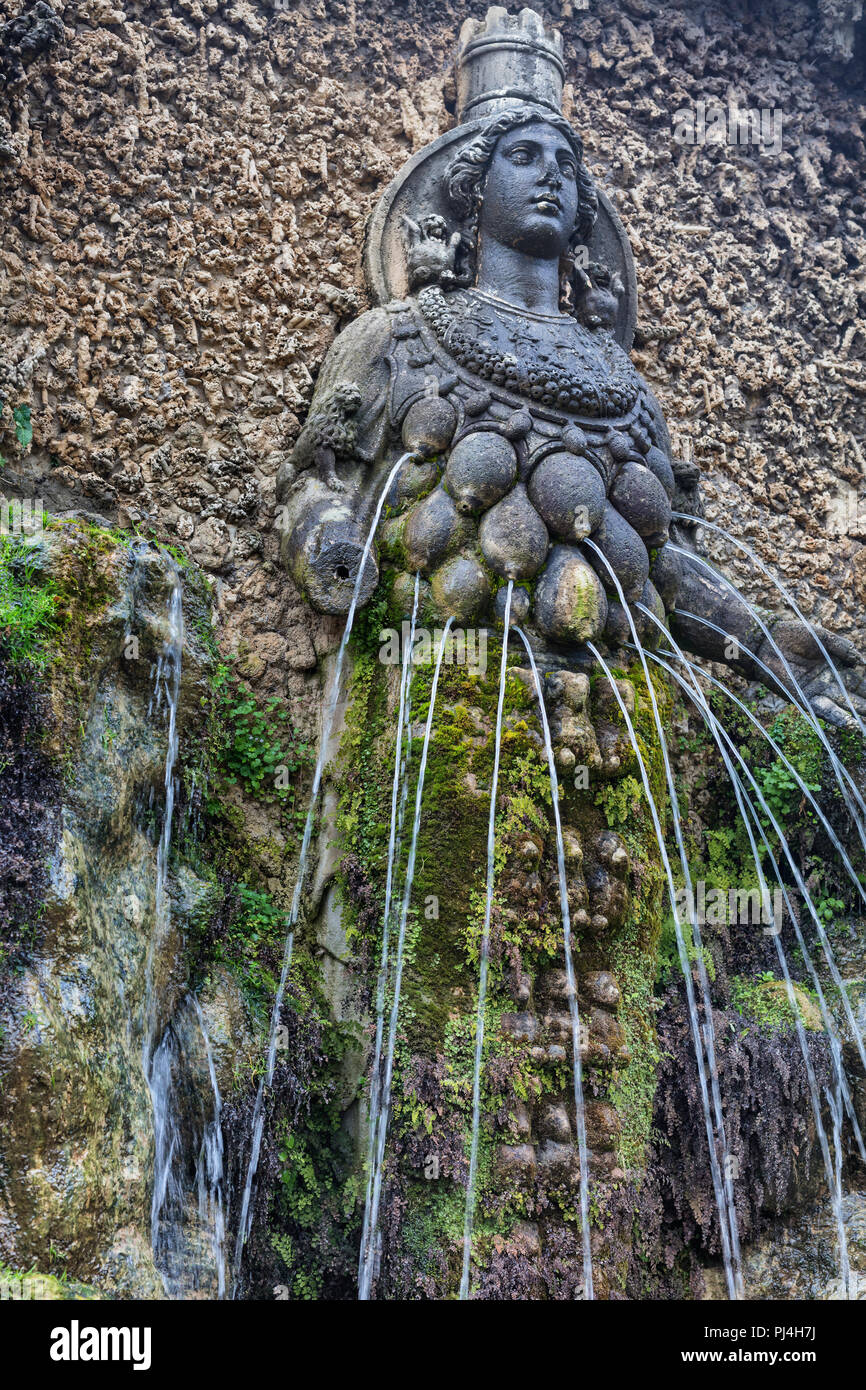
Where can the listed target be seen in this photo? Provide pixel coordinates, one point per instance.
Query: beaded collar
(458, 321)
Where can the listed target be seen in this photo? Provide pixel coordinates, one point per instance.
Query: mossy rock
(766, 1002)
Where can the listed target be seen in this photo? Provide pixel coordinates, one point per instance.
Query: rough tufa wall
(185, 187)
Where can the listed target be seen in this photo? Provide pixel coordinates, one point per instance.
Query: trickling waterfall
(327, 730)
(370, 1251)
(167, 1202)
(484, 953)
(834, 1104)
(400, 784)
(574, 1010)
(789, 599)
(188, 1150)
(749, 817)
(167, 683)
(211, 1169)
(159, 1055)
(727, 1214)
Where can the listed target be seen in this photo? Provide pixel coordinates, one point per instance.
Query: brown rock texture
(185, 187)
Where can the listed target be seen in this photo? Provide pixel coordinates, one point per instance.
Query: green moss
(316, 1207)
(633, 962)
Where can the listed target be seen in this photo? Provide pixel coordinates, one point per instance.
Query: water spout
(780, 754)
(698, 1036)
(829, 1024)
(733, 1274)
(856, 1028)
(802, 702)
(749, 814)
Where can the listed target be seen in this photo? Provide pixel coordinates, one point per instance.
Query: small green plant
(108, 732)
(371, 620)
(669, 965)
(23, 425)
(256, 935)
(802, 747)
(283, 1246)
(258, 751)
(620, 801)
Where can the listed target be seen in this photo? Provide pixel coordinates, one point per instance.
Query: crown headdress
(508, 60)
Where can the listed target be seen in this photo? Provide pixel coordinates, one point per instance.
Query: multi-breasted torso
(529, 434)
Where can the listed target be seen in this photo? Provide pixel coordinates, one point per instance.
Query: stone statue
(503, 370)
(491, 393)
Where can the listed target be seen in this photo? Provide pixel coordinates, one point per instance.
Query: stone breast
(505, 487)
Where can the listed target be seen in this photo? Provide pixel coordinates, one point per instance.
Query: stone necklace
(458, 321)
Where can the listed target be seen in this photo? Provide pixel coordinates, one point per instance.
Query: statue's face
(530, 194)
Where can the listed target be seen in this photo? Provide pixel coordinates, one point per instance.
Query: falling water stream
(399, 786)
(484, 960)
(210, 1169)
(789, 599)
(847, 786)
(167, 681)
(798, 878)
(160, 1058)
(804, 787)
(829, 1022)
(370, 1252)
(577, 1070)
(175, 1234)
(698, 1034)
(856, 1029)
(846, 782)
(327, 730)
(749, 816)
(705, 1030)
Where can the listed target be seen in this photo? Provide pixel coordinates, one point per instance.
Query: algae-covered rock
(76, 1157)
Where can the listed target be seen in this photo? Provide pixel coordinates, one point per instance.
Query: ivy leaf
(23, 425)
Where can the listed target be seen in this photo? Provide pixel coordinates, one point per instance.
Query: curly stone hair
(465, 175)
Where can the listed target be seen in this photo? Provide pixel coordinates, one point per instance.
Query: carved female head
(523, 180)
